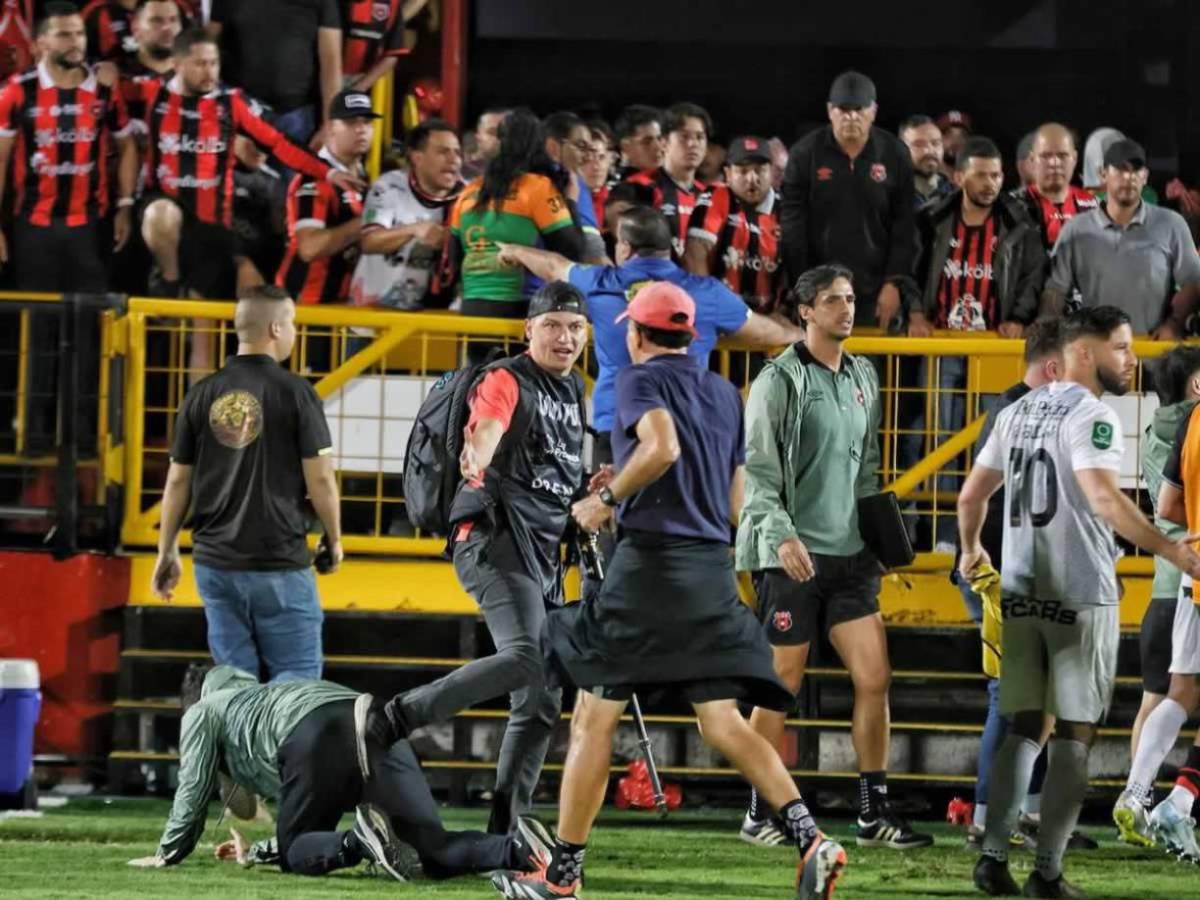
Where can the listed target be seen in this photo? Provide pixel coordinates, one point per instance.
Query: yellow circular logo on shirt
(236, 419)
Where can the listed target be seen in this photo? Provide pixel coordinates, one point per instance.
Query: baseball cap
(748, 149)
(557, 296)
(664, 306)
(351, 104)
(852, 89)
(954, 118)
(1125, 152)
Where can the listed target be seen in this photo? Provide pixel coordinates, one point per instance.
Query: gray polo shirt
(1136, 269)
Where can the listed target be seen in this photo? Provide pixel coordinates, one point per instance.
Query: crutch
(593, 564)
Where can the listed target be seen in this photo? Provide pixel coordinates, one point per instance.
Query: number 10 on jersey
(1024, 470)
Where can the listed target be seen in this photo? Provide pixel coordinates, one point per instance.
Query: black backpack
(431, 470)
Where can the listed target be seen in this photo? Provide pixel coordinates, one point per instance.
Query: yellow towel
(986, 583)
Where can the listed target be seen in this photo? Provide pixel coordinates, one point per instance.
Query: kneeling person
(295, 742)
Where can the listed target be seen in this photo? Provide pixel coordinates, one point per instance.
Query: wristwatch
(606, 496)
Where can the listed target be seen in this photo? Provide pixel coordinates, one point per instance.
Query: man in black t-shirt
(250, 440)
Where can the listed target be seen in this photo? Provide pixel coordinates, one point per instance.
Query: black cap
(557, 296)
(351, 104)
(1124, 153)
(852, 89)
(748, 149)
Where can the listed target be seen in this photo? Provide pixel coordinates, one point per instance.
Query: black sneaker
(891, 830)
(373, 724)
(1038, 885)
(763, 832)
(380, 844)
(993, 878)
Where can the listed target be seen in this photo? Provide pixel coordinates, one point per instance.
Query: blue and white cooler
(20, 704)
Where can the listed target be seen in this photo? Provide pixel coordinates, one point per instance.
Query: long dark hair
(522, 151)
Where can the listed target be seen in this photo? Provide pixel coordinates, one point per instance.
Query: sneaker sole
(513, 890)
(362, 706)
(1173, 847)
(829, 871)
(1126, 823)
(367, 833)
(892, 845)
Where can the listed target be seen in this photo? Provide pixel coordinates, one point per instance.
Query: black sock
(754, 812)
(799, 825)
(566, 863)
(872, 794)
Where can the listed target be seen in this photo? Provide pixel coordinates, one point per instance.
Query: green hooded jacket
(1157, 441)
(238, 725)
(812, 449)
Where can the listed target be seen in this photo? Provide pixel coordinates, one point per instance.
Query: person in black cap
(1156, 277)
(848, 198)
(325, 222)
(522, 466)
(734, 230)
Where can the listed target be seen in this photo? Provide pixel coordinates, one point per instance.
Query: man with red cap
(679, 442)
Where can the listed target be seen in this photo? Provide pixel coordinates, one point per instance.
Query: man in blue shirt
(643, 253)
(668, 614)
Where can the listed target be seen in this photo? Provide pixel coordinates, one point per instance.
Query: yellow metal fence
(373, 367)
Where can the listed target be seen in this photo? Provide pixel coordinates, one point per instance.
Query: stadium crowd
(215, 150)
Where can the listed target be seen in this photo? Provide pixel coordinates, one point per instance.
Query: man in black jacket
(980, 268)
(848, 198)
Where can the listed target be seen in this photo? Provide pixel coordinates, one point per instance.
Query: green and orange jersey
(534, 207)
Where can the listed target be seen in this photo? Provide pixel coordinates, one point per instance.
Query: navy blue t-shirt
(691, 500)
(610, 288)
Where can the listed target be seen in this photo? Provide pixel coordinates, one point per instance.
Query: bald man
(1051, 200)
(250, 441)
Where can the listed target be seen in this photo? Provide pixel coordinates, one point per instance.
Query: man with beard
(1052, 201)
(980, 268)
(1057, 452)
(675, 187)
(324, 222)
(155, 26)
(924, 142)
(57, 123)
(112, 26)
(1128, 254)
(404, 223)
(848, 198)
(734, 230)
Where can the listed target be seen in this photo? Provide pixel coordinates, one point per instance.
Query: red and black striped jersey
(315, 203)
(967, 297)
(109, 25)
(61, 145)
(189, 145)
(371, 29)
(675, 202)
(744, 242)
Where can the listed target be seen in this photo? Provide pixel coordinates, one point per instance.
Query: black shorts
(703, 690)
(844, 588)
(59, 258)
(1156, 646)
(206, 253)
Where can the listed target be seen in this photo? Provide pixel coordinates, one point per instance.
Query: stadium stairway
(938, 704)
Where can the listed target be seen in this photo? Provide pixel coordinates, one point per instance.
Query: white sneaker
(1130, 818)
(764, 832)
(1176, 831)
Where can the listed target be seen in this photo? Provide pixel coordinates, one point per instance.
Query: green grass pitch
(81, 851)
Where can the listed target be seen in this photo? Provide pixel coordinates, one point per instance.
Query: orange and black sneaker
(818, 872)
(533, 886)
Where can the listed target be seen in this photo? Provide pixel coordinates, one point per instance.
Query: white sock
(1182, 799)
(1066, 784)
(1032, 807)
(1158, 737)
(1011, 767)
(980, 818)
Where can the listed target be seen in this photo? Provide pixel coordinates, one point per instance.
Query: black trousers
(320, 781)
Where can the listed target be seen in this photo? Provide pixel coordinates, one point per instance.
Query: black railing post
(66, 484)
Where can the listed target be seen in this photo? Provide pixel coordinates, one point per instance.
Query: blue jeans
(263, 622)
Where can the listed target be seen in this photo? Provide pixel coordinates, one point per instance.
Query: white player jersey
(1056, 550)
(400, 279)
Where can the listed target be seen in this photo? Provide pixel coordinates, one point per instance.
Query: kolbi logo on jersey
(46, 137)
(175, 144)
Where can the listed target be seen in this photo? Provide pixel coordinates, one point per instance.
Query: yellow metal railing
(373, 366)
